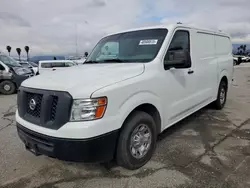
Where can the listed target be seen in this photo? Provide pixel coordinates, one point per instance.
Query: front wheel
(7, 87)
(221, 96)
(137, 141)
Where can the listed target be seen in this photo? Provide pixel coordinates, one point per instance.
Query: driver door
(179, 79)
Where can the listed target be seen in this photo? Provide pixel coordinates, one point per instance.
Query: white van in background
(52, 65)
(116, 104)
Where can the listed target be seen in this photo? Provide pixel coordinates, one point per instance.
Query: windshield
(9, 61)
(135, 46)
(33, 64)
(26, 65)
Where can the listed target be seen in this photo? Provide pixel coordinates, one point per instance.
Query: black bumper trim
(97, 149)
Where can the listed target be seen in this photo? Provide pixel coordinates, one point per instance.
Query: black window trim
(189, 48)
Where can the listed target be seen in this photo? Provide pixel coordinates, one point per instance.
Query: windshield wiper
(90, 62)
(114, 60)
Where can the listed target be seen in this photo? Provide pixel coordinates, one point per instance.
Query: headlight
(88, 109)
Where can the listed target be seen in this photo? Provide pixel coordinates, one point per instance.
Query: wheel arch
(224, 77)
(146, 102)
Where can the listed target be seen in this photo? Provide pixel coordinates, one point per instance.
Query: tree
(8, 48)
(27, 49)
(18, 50)
(244, 47)
(238, 53)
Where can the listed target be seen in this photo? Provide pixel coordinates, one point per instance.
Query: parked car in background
(36, 59)
(237, 60)
(12, 74)
(115, 106)
(48, 66)
(78, 60)
(245, 59)
(30, 65)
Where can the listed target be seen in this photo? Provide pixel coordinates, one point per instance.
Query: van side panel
(224, 57)
(205, 66)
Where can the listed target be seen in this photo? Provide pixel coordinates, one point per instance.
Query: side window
(178, 48)
(46, 65)
(58, 64)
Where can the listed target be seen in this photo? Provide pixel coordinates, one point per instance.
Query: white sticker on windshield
(148, 42)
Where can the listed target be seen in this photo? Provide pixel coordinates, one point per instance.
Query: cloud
(52, 26)
(12, 19)
(97, 3)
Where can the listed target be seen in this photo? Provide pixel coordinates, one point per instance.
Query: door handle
(53, 69)
(190, 72)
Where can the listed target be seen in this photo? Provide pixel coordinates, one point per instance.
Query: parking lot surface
(208, 149)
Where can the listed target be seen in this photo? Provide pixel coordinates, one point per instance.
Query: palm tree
(244, 47)
(27, 49)
(238, 50)
(8, 48)
(18, 50)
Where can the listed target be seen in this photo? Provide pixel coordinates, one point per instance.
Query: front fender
(137, 99)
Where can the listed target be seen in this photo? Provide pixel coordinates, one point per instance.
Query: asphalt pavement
(208, 149)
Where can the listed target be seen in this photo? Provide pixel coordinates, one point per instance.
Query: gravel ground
(208, 149)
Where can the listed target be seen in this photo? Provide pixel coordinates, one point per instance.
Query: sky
(54, 26)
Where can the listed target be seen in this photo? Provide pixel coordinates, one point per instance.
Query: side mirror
(86, 54)
(177, 59)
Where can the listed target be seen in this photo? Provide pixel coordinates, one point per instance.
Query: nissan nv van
(133, 85)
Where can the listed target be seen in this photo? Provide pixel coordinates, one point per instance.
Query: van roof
(174, 26)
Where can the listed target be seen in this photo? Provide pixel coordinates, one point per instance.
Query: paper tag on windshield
(148, 42)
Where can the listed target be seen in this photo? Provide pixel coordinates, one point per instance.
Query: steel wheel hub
(140, 142)
(6, 87)
(222, 95)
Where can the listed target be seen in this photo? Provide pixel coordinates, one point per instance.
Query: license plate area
(32, 148)
(29, 145)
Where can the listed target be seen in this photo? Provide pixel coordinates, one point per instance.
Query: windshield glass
(26, 65)
(33, 64)
(9, 61)
(134, 46)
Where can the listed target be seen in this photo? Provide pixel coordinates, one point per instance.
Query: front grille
(52, 108)
(36, 112)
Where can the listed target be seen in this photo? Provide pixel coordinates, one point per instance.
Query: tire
(7, 87)
(124, 156)
(221, 101)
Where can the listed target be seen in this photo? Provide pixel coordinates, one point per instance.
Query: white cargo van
(133, 85)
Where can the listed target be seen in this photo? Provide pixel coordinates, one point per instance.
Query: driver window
(180, 42)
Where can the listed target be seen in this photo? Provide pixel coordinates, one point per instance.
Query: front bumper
(96, 149)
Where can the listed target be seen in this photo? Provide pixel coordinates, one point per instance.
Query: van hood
(81, 81)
